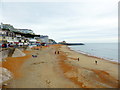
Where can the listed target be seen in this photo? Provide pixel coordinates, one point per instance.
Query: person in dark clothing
(8, 44)
(78, 59)
(55, 52)
(58, 52)
(34, 56)
(96, 62)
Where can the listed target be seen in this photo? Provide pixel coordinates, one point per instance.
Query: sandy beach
(61, 70)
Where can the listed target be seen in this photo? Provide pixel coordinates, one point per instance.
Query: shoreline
(106, 71)
(116, 62)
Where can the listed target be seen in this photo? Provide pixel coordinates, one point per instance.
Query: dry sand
(63, 70)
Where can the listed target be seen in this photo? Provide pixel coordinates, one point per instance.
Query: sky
(87, 21)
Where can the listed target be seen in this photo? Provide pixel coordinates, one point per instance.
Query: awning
(16, 42)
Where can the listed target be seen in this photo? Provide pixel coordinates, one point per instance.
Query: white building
(26, 31)
(42, 39)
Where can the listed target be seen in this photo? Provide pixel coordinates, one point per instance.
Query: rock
(5, 76)
(4, 54)
(48, 81)
(18, 53)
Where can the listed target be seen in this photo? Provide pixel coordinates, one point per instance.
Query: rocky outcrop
(18, 53)
(5, 76)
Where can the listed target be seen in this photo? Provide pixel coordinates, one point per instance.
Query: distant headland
(64, 43)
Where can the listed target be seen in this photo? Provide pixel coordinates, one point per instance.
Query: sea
(108, 51)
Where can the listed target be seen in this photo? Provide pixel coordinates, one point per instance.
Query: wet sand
(63, 70)
(85, 72)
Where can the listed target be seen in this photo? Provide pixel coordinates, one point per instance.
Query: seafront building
(7, 35)
(44, 39)
(12, 35)
(7, 26)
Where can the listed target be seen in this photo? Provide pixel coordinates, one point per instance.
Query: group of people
(6, 45)
(57, 52)
(9, 44)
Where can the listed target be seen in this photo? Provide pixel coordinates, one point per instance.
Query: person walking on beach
(55, 52)
(58, 52)
(96, 62)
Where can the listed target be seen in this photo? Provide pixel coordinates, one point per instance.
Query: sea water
(108, 51)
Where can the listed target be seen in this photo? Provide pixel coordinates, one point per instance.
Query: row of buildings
(10, 34)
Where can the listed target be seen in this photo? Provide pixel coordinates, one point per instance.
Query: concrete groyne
(4, 53)
(8, 52)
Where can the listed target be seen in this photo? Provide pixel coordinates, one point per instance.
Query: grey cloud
(61, 20)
